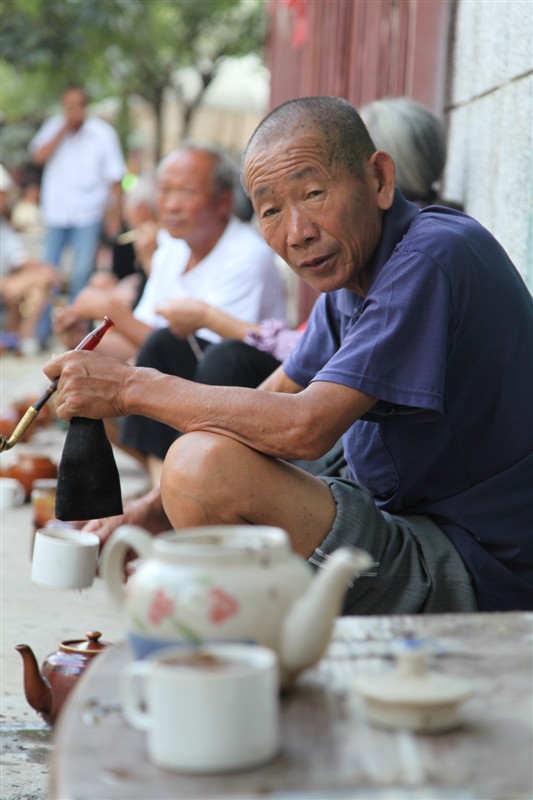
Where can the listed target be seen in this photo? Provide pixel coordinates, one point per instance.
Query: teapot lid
(90, 645)
(411, 695)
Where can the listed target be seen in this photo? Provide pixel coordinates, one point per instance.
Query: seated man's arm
(186, 315)
(288, 425)
(94, 303)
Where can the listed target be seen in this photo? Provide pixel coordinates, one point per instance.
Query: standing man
(81, 187)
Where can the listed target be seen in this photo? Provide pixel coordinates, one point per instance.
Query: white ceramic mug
(12, 493)
(64, 558)
(208, 709)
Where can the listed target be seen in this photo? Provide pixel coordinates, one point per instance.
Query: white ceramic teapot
(236, 583)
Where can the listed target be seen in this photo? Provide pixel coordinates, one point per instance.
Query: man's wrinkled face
(187, 203)
(321, 219)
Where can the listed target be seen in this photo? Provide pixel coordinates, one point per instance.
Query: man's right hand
(90, 385)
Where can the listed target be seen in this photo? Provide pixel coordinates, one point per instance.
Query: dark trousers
(229, 363)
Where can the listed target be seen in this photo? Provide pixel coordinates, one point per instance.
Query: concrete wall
(490, 114)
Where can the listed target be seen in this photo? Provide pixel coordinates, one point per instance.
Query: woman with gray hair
(416, 139)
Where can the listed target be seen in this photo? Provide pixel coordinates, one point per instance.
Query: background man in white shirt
(81, 186)
(204, 252)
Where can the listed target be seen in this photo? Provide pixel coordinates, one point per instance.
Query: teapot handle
(114, 554)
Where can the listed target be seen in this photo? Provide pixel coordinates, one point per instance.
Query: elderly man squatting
(419, 351)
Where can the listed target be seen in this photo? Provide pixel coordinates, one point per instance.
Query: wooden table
(328, 749)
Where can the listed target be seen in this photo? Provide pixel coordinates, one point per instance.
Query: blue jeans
(84, 243)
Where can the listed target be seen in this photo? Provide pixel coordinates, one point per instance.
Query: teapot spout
(38, 692)
(307, 628)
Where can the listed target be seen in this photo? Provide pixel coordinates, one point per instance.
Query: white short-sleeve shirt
(12, 250)
(238, 276)
(78, 174)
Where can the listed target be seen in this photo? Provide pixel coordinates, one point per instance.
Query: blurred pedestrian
(26, 217)
(81, 186)
(24, 282)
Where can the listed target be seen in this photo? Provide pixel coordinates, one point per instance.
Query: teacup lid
(412, 687)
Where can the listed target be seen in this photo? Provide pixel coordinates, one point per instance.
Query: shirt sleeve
(13, 253)
(318, 343)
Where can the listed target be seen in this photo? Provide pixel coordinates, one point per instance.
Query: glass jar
(43, 501)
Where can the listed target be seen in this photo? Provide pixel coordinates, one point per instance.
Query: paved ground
(35, 615)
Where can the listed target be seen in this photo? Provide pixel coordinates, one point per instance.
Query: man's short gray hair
(346, 139)
(223, 164)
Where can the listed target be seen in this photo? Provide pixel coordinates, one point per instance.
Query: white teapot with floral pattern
(237, 583)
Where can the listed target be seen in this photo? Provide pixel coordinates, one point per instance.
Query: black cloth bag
(88, 483)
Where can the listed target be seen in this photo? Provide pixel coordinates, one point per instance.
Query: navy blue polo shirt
(444, 340)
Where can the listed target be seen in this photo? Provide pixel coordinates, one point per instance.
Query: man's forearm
(281, 424)
(304, 424)
(128, 325)
(226, 325)
(43, 153)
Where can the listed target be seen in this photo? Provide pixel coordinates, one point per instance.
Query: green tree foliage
(119, 47)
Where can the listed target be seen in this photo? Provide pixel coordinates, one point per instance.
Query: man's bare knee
(204, 464)
(196, 455)
(198, 479)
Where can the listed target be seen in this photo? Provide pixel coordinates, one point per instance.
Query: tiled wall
(490, 114)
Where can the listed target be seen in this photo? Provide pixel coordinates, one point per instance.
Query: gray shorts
(417, 569)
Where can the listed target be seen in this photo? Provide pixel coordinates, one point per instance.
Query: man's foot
(146, 511)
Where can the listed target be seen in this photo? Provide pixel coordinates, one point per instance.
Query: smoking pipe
(88, 343)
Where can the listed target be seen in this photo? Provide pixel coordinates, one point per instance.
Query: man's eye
(268, 212)
(314, 193)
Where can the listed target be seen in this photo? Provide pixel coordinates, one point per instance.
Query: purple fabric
(274, 338)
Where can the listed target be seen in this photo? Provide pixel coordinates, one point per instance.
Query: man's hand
(90, 385)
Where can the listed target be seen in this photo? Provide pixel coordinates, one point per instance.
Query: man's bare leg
(210, 479)
(154, 466)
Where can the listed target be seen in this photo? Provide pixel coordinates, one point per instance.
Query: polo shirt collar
(396, 222)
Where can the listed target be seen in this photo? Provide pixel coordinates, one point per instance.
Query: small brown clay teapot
(30, 466)
(47, 690)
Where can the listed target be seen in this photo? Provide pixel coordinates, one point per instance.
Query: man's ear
(383, 172)
(225, 203)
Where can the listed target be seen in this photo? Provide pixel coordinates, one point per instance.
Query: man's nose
(301, 229)
(173, 201)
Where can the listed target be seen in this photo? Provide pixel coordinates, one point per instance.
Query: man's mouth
(317, 262)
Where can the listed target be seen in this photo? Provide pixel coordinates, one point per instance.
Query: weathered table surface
(328, 749)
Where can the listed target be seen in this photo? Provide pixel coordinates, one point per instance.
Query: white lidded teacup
(12, 493)
(64, 558)
(205, 709)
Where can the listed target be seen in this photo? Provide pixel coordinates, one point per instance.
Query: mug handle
(20, 494)
(131, 695)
